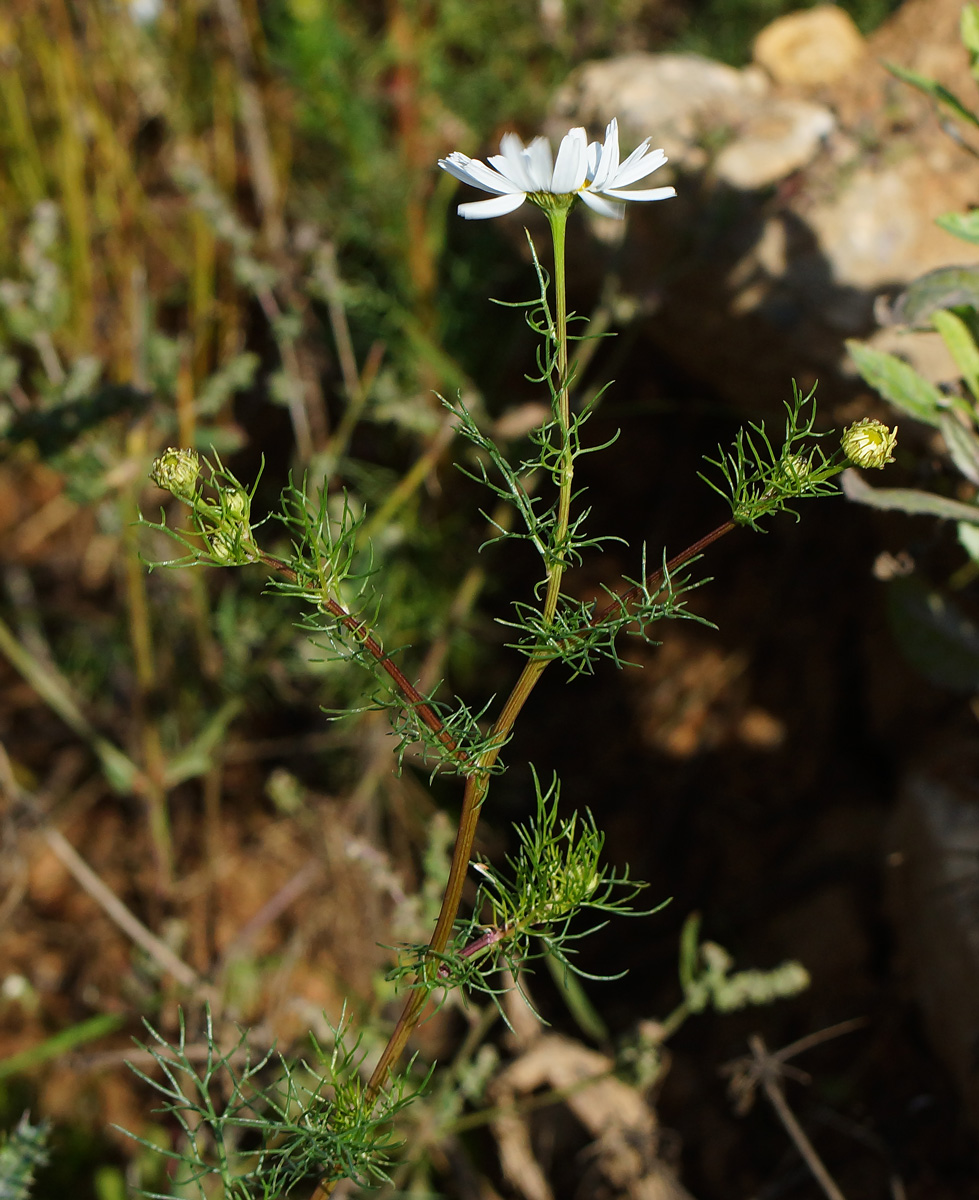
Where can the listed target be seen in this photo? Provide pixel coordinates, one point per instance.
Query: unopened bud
(796, 467)
(869, 443)
(176, 472)
(222, 545)
(235, 503)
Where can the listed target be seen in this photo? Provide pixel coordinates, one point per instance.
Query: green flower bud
(176, 472)
(869, 443)
(235, 503)
(796, 467)
(221, 543)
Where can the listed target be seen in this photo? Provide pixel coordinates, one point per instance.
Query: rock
(673, 97)
(810, 48)
(791, 217)
(773, 140)
(683, 100)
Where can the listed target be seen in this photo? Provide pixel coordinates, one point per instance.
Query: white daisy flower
(593, 172)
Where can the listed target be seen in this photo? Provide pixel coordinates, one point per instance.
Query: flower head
(869, 443)
(593, 172)
(176, 472)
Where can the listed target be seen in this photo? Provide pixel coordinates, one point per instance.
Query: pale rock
(752, 287)
(683, 100)
(673, 98)
(774, 140)
(817, 46)
(869, 229)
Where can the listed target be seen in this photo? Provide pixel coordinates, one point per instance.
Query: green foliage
(22, 1151)
(933, 632)
(898, 383)
(141, 306)
(936, 91)
(312, 1120)
(532, 909)
(707, 981)
(760, 480)
(528, 912)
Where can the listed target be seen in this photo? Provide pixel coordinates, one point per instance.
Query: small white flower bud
(176, 472)
(869, 443)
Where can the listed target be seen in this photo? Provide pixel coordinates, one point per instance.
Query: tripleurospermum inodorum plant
(340, 1124)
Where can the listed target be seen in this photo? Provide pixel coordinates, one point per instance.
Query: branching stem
(655, 578)
(413, 697)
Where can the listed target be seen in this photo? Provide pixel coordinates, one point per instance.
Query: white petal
(457, 164)
(607, 208)
(639, 151)
(609, 162)
(594, 157)
(632, 171)
(663, 193)
(540, 163)
(515, 164)
(480, 175)
(572, 163)
(478, 210)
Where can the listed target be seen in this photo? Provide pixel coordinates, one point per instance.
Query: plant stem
(555, 572)
(478, 772)
(415, 700)
(477, 781)
(654, 578)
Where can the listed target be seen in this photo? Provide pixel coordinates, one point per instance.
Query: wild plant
(336, 1117)
(935, 634)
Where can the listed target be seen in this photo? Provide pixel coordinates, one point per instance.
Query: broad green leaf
(963, 446)
(961, 345)
(933, 634)
(907, 500)
(961, 225)
(946, 287)
(898, 383)
(935, 90)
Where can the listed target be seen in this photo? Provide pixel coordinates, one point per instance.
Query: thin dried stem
(114, 908)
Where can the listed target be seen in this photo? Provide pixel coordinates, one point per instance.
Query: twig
(114, 908)
(767, 1070)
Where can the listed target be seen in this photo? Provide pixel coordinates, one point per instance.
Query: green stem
(477, 782)
(555, 571)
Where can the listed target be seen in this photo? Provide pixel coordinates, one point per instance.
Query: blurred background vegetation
(221, 226)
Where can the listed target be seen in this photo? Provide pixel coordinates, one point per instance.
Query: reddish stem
(622, 601)
(415, 700)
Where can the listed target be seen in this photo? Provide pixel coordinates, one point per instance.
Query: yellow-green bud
(796, 466)
(869, 443)
(176, 472)
(235, 503)
(221, 543)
